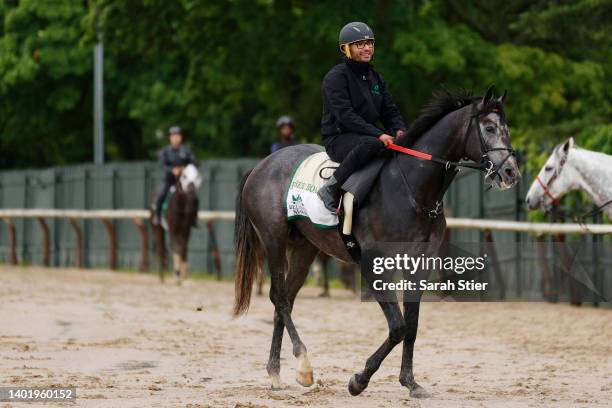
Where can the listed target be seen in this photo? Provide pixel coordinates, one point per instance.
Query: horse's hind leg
(260, 281)
(273, 366)
(282, 293)
(176, 267)
(184, 252)
(184, 265)
(325, 272)
(160, 248)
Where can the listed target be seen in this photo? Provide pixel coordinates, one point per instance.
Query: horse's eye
(548, 168)
(490, 129)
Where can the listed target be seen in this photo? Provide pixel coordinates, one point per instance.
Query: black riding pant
(352, 151)
(164, 187)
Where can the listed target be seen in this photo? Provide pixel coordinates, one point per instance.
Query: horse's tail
(249, 254)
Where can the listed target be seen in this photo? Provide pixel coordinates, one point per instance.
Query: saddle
(302, 201)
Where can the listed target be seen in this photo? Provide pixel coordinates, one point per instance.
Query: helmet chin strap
(347, 50)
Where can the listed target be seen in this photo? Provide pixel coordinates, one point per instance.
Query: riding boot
(159, 202)
(329, 193)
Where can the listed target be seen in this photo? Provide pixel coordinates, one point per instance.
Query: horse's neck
(445, 140)
(593, 172)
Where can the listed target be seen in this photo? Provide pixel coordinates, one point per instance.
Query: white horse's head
(555, 179)
(190, 175)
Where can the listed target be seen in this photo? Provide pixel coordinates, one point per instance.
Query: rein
(485, 165)
(581, 218)
(426, 156)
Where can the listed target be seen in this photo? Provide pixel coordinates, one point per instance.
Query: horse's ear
(488, 96)
(568, 145)
(501, 98)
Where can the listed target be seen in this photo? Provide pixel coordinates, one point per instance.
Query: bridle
(546, 186)
(491, 171)
(485, 165)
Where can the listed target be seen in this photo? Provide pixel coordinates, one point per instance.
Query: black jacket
(169, 158)
(355, 99)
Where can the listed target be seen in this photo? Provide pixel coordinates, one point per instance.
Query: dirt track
(126, 340)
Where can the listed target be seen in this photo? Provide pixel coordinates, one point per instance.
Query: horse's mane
(444, 101)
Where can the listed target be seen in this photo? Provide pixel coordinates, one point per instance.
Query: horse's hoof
(303, 374)
(419, 392)
(324, 294)
(276, 384)
(304, 378)
(354, 387)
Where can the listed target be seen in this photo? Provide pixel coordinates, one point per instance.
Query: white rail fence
(138, 217)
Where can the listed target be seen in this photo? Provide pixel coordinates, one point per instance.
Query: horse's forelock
(495, 106)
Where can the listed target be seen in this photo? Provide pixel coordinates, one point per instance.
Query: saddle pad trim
(166, 202)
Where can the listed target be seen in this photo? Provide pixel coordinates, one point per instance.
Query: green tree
(44, 91)
(224, 70)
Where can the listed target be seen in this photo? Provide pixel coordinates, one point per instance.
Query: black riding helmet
(353, 32)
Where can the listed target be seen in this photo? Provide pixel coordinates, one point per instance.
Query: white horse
(569, 168)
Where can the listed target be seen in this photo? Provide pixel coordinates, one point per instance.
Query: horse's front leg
(411, 319)
(160, 247)
(184, 266)
(177, 256)
(397, 328)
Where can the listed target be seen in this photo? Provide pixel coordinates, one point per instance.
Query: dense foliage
(224, 70)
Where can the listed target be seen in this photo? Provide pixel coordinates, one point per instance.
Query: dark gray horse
(452, 126)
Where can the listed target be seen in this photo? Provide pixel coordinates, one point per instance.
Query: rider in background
(286, 129)
(355, 101)
(173, 159)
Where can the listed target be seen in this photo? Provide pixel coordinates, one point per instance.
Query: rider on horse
(355, 99)
(286, 128)
(173, 159)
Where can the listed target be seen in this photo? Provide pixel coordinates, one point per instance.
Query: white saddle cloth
(302, 200)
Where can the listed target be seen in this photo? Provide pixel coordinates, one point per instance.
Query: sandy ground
(126, 340)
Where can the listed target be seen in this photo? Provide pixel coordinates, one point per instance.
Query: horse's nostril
(509, 172)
